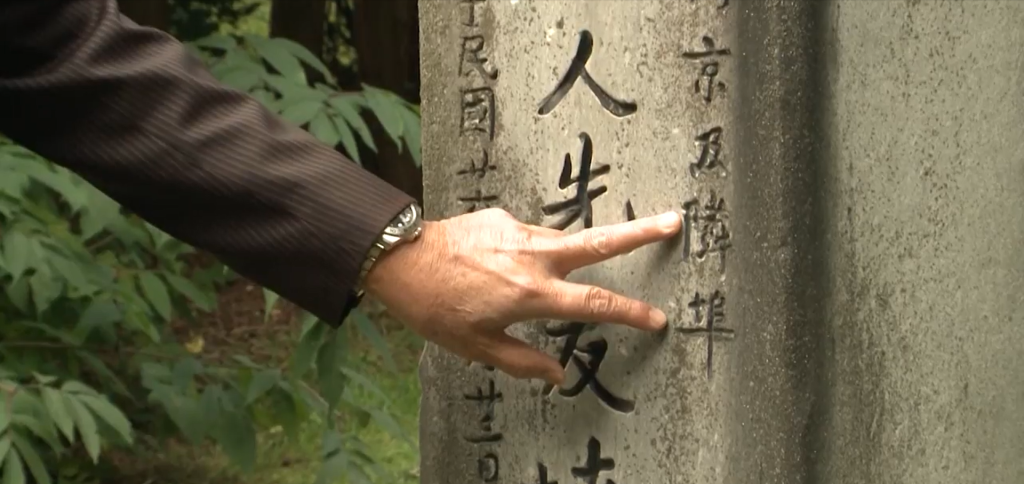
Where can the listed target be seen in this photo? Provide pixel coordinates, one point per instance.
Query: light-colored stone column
(845, 301)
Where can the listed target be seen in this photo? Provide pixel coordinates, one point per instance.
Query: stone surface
(870, 222)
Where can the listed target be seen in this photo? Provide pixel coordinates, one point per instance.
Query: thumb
(520, 360)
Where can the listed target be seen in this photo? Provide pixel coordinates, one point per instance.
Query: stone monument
(846, 299)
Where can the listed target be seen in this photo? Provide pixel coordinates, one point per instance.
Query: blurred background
(128, 356)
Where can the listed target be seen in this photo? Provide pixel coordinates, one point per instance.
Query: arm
(129, 110)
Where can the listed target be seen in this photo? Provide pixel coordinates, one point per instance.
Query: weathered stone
(862, 179)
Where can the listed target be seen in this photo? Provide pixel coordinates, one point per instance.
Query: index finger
(598, 244)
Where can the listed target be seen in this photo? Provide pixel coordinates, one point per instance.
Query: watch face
(402, 222)
(406, 218)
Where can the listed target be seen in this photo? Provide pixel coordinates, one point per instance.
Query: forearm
(129, 110)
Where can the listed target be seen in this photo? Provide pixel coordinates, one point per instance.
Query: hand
(469, 277)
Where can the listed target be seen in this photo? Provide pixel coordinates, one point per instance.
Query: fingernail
(669, 221)
(658, 318)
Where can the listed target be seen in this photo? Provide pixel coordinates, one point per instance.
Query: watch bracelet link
(371, 257)
(380, 245)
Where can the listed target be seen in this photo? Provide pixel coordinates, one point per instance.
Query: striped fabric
(128, 109)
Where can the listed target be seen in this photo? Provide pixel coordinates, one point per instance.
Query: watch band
(403, 228)
(371, 257)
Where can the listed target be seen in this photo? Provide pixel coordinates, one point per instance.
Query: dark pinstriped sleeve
(129, 110)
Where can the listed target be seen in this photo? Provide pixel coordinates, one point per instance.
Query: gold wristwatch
(406, 227)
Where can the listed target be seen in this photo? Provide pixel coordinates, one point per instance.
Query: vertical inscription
(586, 355)
(706, 232)
(478, 76)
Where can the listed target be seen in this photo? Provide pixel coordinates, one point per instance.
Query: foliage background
(126, 354)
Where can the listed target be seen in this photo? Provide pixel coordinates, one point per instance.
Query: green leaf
(388, 423)
(156, 292)
(245, 360)
(329, 375)
(411, 133)
(369, 330)
(286, 409)
(217, 41)
(385, 106)
(5, 445)
(71, 272)
(44, 431)
(45, 290)
(266, 98)
(86, 427)
(69, 187)
(291, 91)
(19, 253)
(356, 475)
(333, 469)
(105, 374)
(31, 458)
(159, 236)
(324, 130)
(77, 388)
(110, 414)
(19, 293)
(269, 300)
(203, 300)
(305, 55)
(5, 414)
(59, 412)
(348, 140)
(365, 382)
(278, 56)
(348, 109)
(237, 437)
(100, 212)
(100, 313)
(242, 78)
(306, 352)
(302, 112)
(184, 373)
(185, 413)
(261, 383)
(14, 473)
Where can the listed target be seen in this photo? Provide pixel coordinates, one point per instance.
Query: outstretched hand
(469, 277)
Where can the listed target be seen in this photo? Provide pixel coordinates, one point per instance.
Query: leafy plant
(97, 302)
(333, 116)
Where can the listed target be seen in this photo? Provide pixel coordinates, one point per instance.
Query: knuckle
(498, 214)
(598, 301)
(598, 242)
(527, 287)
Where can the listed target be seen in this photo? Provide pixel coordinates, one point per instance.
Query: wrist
(401, 262)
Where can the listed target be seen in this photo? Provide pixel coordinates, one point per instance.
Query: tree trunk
(386, 39)
(150, 13)
(301, 21)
